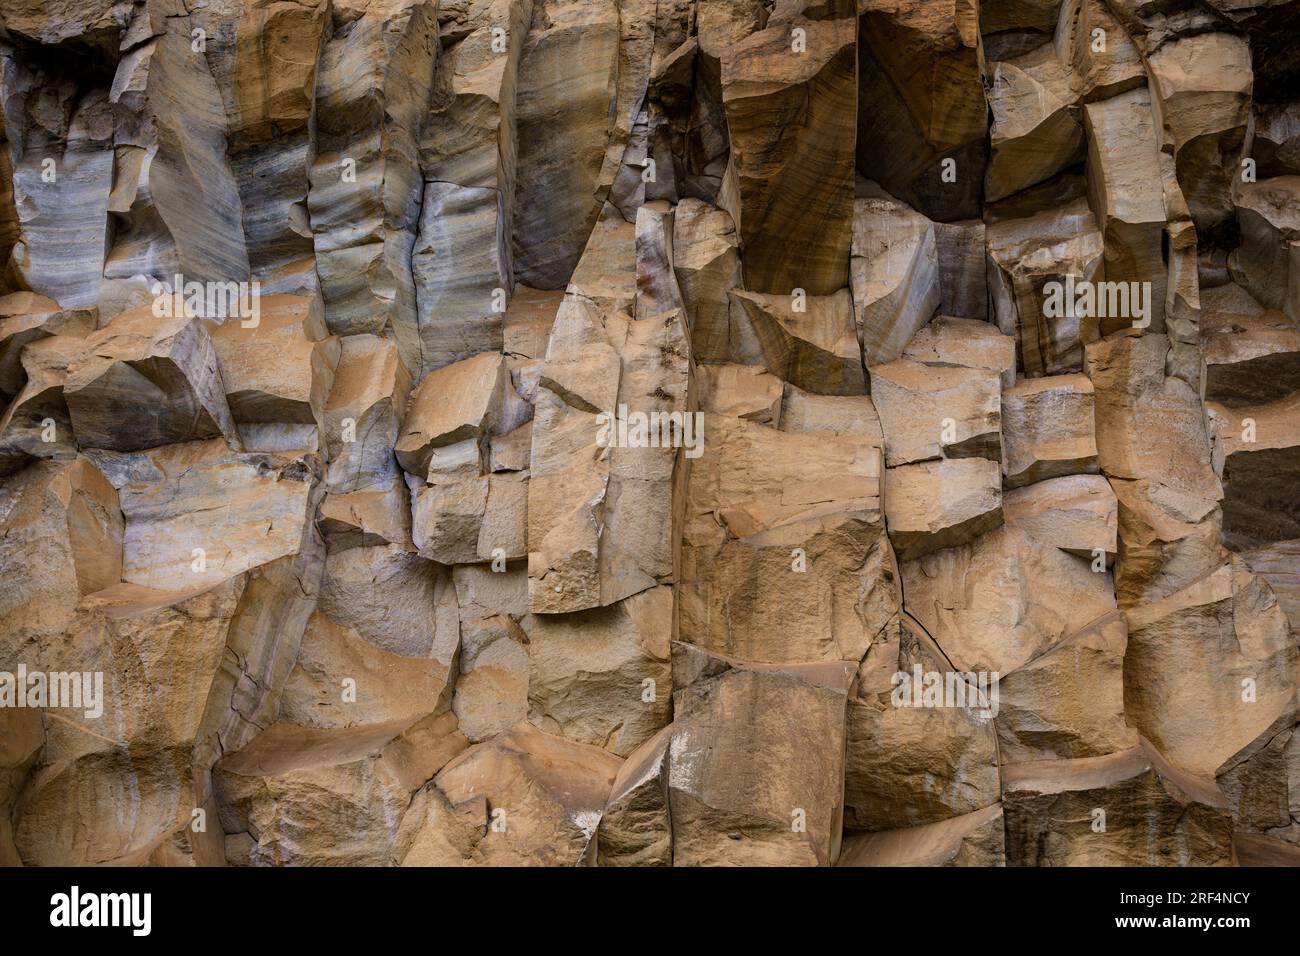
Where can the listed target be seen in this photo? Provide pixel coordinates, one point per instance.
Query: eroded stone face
(665, 433)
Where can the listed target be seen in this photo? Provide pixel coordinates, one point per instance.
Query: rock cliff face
(649, 432)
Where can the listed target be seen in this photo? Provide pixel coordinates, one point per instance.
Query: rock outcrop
(649, 433)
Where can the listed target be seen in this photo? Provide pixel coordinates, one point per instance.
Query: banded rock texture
(649, 433)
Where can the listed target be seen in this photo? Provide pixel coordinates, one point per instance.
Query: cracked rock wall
(649, 432)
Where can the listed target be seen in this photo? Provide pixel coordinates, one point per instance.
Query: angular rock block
(545, 796)
(144, 382)
(784, 552)
(1047, 429)
(273, 411)
(755, 764)
(937, 504)
(789, 113)
(982, 603)
(199, 513)
(931, 412)
(1067, 703)
(911, 761)
(894, 272)
(972, 839)
(1153, 813)
(1059, 245)
(810, 343)
(1219, 649)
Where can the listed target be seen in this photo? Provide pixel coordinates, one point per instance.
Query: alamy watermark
(970, 690)
(1100, 300)
(75, 690)
(74, 908)
(209, 300)
(651, 430)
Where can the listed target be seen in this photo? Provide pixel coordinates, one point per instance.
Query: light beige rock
(1077, 513)
(784, 555)
(742, 391)
(546, 796)
(198, 513)
(810, 343)
(635, 829)
(463, 401)
(290, 337)
(1068, 702)
(756, 761)
(932, 412)
(972, 839)
(983, 603)
(894, 272)
(931, 505)
(706, 261)
(908, 764)
(602, 677)
(968, 343)
(1189, 657)
(1047, 429)
(363, 414)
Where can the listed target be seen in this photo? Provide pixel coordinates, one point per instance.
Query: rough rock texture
(649, 432)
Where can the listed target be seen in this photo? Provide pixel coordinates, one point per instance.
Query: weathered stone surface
(290, 334)
(706, 261)
(363, 414)
(792, 150)
(1249, 359)
(1267, 262)
(967, 343)
(1036, 130)
(1027, 254)
(310, 797)
(938, 504)
(756, 749)
(602, 677)
(1077, 513)
(561, 129)
(1068, 702)
(742, 391)
(982, 604)
(785, 557)
(1201, 88)
(895, 274)
(931, 412)
(649, 432)
(1047, 429)
(198, 513)
(144, 381)
(920, 102)
(461, 402)
(1150, 428)
(1124, 189)
(1156, 815)
(373, 88)
(1219, 649)
(972, 839)
(468, 155)
(810, 343)
(906, 763)
(546, 796)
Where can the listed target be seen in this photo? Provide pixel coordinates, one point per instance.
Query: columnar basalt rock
(649, 433)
